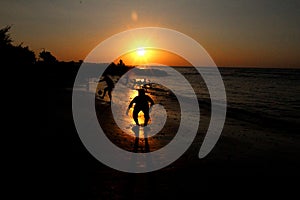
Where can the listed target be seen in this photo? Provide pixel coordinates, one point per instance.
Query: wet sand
(248, 158)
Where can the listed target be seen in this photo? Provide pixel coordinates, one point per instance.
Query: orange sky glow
(255, 33)
(163, 57)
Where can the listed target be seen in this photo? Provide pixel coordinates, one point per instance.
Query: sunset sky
(260, 33)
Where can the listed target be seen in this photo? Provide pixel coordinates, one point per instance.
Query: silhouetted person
(141, 104)
(121, 63)
(110, 86)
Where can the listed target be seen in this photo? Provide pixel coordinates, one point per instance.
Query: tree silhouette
(47, 57)
(11, 54)
(5, 39)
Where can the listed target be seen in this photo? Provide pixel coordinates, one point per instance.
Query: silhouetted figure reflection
(110, 85)
(138, 133)
(141, 104)
(147, 147)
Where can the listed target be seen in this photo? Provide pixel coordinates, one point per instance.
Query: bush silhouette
(47, 57)
(11, 54)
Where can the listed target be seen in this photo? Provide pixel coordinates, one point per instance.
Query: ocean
(258, 148)
(257, 95)
(272, 94)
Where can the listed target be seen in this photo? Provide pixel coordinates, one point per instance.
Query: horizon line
(224, 66)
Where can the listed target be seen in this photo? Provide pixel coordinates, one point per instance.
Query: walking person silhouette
(141, 104)
(108, 89)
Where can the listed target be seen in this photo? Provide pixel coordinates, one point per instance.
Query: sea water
(270, 93)
(260, 93)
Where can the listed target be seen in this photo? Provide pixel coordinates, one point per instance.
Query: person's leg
(104, 92)
(146, 115)
(135, 116)
(109, 93)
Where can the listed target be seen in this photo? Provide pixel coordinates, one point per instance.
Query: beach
(253, 158)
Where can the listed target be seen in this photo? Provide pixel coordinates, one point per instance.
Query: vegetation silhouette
(116, 69)
(47, 57)
(11, 54)
(60, 74)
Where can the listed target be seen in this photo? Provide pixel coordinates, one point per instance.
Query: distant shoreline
(235, 67)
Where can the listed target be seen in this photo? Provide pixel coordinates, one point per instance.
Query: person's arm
(130, 105)
(150, 100)
(151, 103)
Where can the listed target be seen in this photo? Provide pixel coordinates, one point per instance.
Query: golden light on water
(132, 94)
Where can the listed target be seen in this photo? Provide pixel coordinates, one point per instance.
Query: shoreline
(245, 153)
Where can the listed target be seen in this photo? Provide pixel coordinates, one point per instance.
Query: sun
(140, 51)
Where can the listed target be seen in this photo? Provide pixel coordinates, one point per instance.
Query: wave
(253, 116)
(150, 72)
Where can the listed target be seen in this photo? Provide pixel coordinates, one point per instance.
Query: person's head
(141, 92)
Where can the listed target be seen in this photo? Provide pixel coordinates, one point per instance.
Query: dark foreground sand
(248, 160)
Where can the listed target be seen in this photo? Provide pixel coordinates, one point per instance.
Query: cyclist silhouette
(141, 104)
